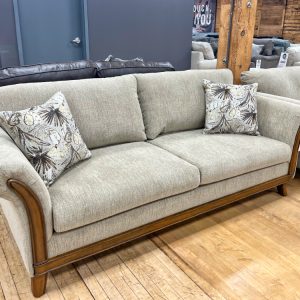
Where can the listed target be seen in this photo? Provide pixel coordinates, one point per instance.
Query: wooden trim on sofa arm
(295, 154)
(42, 264)
(36, 219)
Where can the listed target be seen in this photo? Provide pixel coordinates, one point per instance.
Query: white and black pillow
(230, 108)
(48, 136)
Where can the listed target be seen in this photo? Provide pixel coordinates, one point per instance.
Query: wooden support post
(242, 25)
(224, 30)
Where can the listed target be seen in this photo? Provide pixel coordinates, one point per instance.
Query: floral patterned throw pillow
(230, 108)
(48, 136)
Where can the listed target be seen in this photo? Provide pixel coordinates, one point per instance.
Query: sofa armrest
(279, 119)
(15, 166)
(196, 58)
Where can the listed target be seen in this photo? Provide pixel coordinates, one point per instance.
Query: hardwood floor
(250, 250)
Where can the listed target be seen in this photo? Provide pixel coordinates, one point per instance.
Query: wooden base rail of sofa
(117, 240)
(42, 264)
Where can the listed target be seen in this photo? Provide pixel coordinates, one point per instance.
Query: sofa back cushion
(118, 68)
(283, 82)
(48, 72)
(175, 101)
(106, 111)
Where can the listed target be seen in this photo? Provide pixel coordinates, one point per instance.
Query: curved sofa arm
(279, 119)
(196, 58)
(14, 167)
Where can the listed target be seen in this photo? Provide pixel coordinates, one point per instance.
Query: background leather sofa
(78, 70)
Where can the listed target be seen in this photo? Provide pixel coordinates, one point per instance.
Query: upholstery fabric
(284, 99)
(112, 58)
(267, 62)
(230, 108)
(280, 81)
(175, 101)
(48, 136)
(116, 179)
(105, 110)
(268, 48)
(13, 164)
(294, 55)
(199, 63)
(205, 48)
(118, 68)
(222, 156)
(16, 217)
(256, 50)
(278, 50)
(277, 119)
(48, 72)
(62, 242)
(277, 42)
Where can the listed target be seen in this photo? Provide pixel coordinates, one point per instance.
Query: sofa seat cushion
(223, 156)
(116, 179)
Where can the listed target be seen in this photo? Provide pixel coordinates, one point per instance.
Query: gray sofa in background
(282, 82)
(151, 164)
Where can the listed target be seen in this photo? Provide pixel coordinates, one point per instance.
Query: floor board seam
(175, 254)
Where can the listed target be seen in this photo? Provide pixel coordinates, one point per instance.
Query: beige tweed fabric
(159, 209)
(221, 156)
(116, 179)
(276, 81)
(175, 101)
(13, 164)
(106, 110)
(277, 119)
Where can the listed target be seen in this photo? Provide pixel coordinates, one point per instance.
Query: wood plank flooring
(250, 250)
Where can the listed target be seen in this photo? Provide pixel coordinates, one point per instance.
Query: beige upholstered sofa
(202, 56)
(151, 166)
(294, 55)
(282, 82)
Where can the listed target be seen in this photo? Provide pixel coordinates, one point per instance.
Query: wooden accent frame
(42, 264)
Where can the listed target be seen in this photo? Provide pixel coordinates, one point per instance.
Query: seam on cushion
(178, 156)
(192, 163)
(120, 213)
(200, 186)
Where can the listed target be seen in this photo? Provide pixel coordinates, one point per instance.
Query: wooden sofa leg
(38, 285)
(282, 190)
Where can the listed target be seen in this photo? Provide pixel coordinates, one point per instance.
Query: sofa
(82, 69)
(270, 52)
(151, 164)
(284, 83)
(203, 57)
(294, 55)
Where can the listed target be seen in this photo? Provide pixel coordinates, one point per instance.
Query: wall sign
(204, 12)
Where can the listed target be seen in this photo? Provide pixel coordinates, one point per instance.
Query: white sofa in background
(294, 55)
(203, 56)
